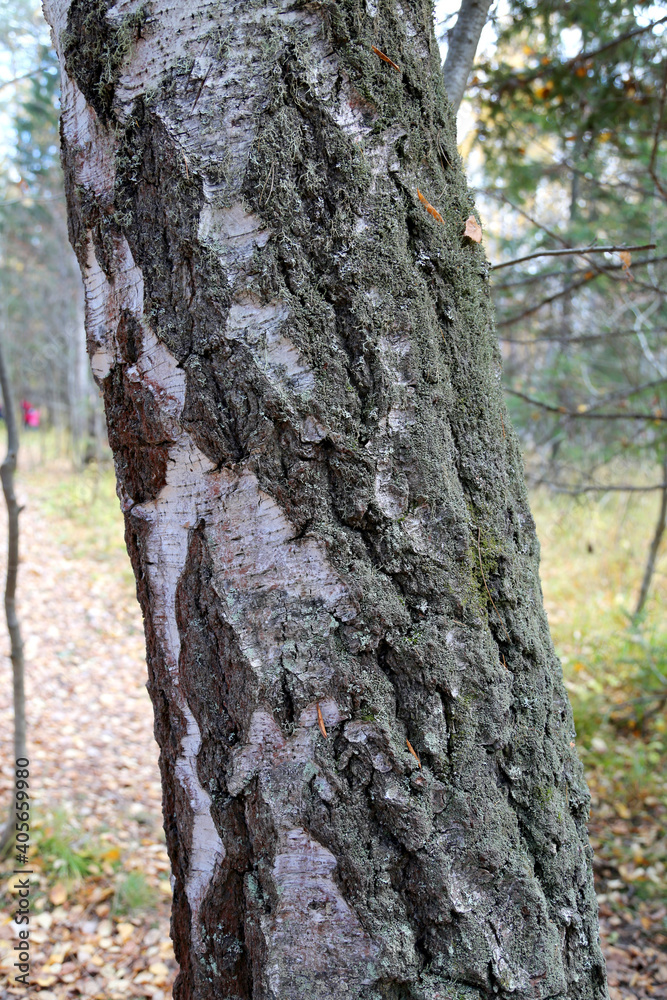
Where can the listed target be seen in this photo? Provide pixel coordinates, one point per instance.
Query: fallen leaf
(125, 932)
(429, 208)
(160, 972)
(473, 230)
(58, 894)
(320, 721)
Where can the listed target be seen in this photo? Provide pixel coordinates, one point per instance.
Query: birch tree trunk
(462, 46)
(324, 507)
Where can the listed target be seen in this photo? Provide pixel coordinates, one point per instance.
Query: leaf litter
(101, 893)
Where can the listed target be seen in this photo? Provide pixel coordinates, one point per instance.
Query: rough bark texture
(325, 507)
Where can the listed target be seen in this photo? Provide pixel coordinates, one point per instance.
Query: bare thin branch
(577, 490)
(583, 339)
(656, 139)
(655, 545)
(545, 302)
(18, 79)
(586, 54)
(578, 251)
(585, 414)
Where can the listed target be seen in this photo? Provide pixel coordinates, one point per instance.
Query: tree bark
(654, 547)
(462, 46)
(7, 471)
(324, 508)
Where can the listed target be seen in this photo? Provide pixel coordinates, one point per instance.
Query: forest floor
(101, 892)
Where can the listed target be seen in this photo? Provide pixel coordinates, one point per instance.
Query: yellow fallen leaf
(622, 810)
(56, 957)
(473, 230)
(58, 894)
(125, 932)
(46, 980)
(165, 887)
(113, 854)
(160, 972)
(158, 969)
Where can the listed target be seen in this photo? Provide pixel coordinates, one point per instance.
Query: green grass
(593, 555)
(133, 894)
(64, 850)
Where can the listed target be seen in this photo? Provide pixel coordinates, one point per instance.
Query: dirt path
(94, 774)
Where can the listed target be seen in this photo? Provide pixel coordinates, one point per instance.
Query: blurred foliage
(592, 561)
(41, 311)
(133, 893)
(65, 850)
(570, 120)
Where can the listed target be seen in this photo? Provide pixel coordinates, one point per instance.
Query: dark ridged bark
(325, 508)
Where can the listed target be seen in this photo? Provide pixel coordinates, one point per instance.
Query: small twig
(584, 56)
(656, 139)
(201, 86)
(320, 721)
(481, 568)
(579, 251)
(17, 79)
(575, 491)
(585, 414)
(584, 339)
(551, 298)
(412, 751)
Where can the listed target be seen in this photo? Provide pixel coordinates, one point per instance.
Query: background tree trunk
(7, 471)
(324, 508)
(461, 48)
